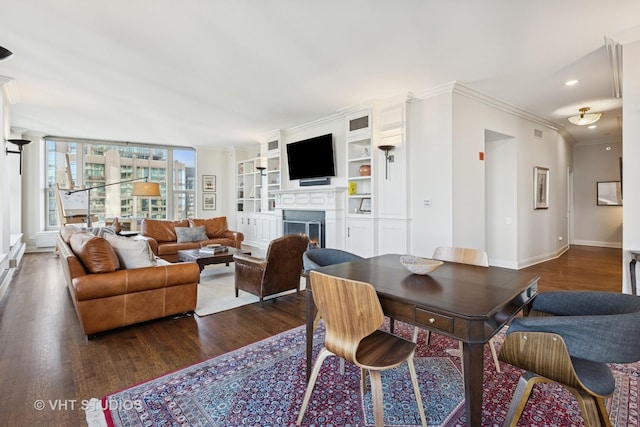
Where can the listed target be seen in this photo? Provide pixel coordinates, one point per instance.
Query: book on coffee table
(210, 249)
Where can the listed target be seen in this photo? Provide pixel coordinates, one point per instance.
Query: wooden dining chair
(463, 256)
(569, 338)
(352, 315)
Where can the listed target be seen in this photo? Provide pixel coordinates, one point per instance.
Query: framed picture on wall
(609, 193)
(209, 183)
(540, 187)
(209, 201)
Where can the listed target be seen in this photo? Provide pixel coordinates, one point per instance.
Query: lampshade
(585, 118)
(146, 189)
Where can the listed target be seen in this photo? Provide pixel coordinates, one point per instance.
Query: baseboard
(616, 245)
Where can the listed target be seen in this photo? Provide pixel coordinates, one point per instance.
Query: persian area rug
(216, 291)
(263, 385)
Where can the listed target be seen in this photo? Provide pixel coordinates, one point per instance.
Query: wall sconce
(261, 169)
(20, 143)
(388, 158)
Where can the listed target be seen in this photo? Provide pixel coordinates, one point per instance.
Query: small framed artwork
(609, 193)
(540, 187)
(209, 183)
(209, 201)
(365, 205)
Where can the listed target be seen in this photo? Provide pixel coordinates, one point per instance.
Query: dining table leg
(310, 307)
(473, 368)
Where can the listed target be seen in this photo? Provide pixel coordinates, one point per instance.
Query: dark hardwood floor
(44, 357)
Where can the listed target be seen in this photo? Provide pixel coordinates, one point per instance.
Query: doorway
(501, 199)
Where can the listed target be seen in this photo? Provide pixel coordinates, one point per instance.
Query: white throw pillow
(132, 252)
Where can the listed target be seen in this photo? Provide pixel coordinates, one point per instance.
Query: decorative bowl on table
(419, 265)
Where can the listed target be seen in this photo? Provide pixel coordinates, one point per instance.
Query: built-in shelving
(359, 164)
(249, 186)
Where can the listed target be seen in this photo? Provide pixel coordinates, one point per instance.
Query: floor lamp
(148, 189)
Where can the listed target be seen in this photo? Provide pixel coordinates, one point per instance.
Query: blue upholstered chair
(569, 338)
(321, 257)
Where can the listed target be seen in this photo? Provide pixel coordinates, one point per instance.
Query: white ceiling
(218, 73)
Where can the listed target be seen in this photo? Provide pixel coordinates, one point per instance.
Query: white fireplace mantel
(312, 198)
(329, 199)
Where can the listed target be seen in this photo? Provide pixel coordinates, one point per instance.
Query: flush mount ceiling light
(4, 53)
(585, 118)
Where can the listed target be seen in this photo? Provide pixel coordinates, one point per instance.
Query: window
(84, 164)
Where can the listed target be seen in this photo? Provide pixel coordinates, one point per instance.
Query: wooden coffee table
(206, 258)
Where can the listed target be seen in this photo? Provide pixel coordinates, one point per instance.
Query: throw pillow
(132, 252)
(191, 234)
(101, 231)
(216, 227)
(96, 253)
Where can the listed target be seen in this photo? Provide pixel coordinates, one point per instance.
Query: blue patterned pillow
(191, 234)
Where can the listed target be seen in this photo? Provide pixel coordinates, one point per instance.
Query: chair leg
(363, 381)
(520, 397)
(316, 320)
(594, 413)
(492, 347)
(376, 397)
(416, 390)
(312, 381)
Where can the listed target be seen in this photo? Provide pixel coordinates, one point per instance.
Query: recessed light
(571, 82)
(608, 148)
(593, 126)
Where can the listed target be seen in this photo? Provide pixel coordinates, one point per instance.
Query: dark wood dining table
(465, 302)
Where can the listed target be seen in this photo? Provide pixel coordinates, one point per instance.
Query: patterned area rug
(263, 385)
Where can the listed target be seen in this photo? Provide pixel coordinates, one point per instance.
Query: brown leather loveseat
(107, 296)
(167, 237)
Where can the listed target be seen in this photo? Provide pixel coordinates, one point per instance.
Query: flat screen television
(311, 158)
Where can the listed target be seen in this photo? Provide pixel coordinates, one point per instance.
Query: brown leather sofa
(108, 297)
(165, 241)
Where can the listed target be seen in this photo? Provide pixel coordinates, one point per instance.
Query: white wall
(631, 154)
(501, 162)
(447, 135)
(5, 213)
(596, 225)
(221, 164)
(430, 162)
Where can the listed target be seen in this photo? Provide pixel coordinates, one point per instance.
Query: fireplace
(310, 223)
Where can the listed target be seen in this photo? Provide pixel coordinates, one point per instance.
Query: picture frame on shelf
(209, 183)
(365, 205)
(209, 201)
(540, 187)
(609, 193)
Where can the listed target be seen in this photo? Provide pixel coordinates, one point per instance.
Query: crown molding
(458, 88)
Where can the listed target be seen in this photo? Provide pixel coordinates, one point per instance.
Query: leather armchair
(279, 271)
